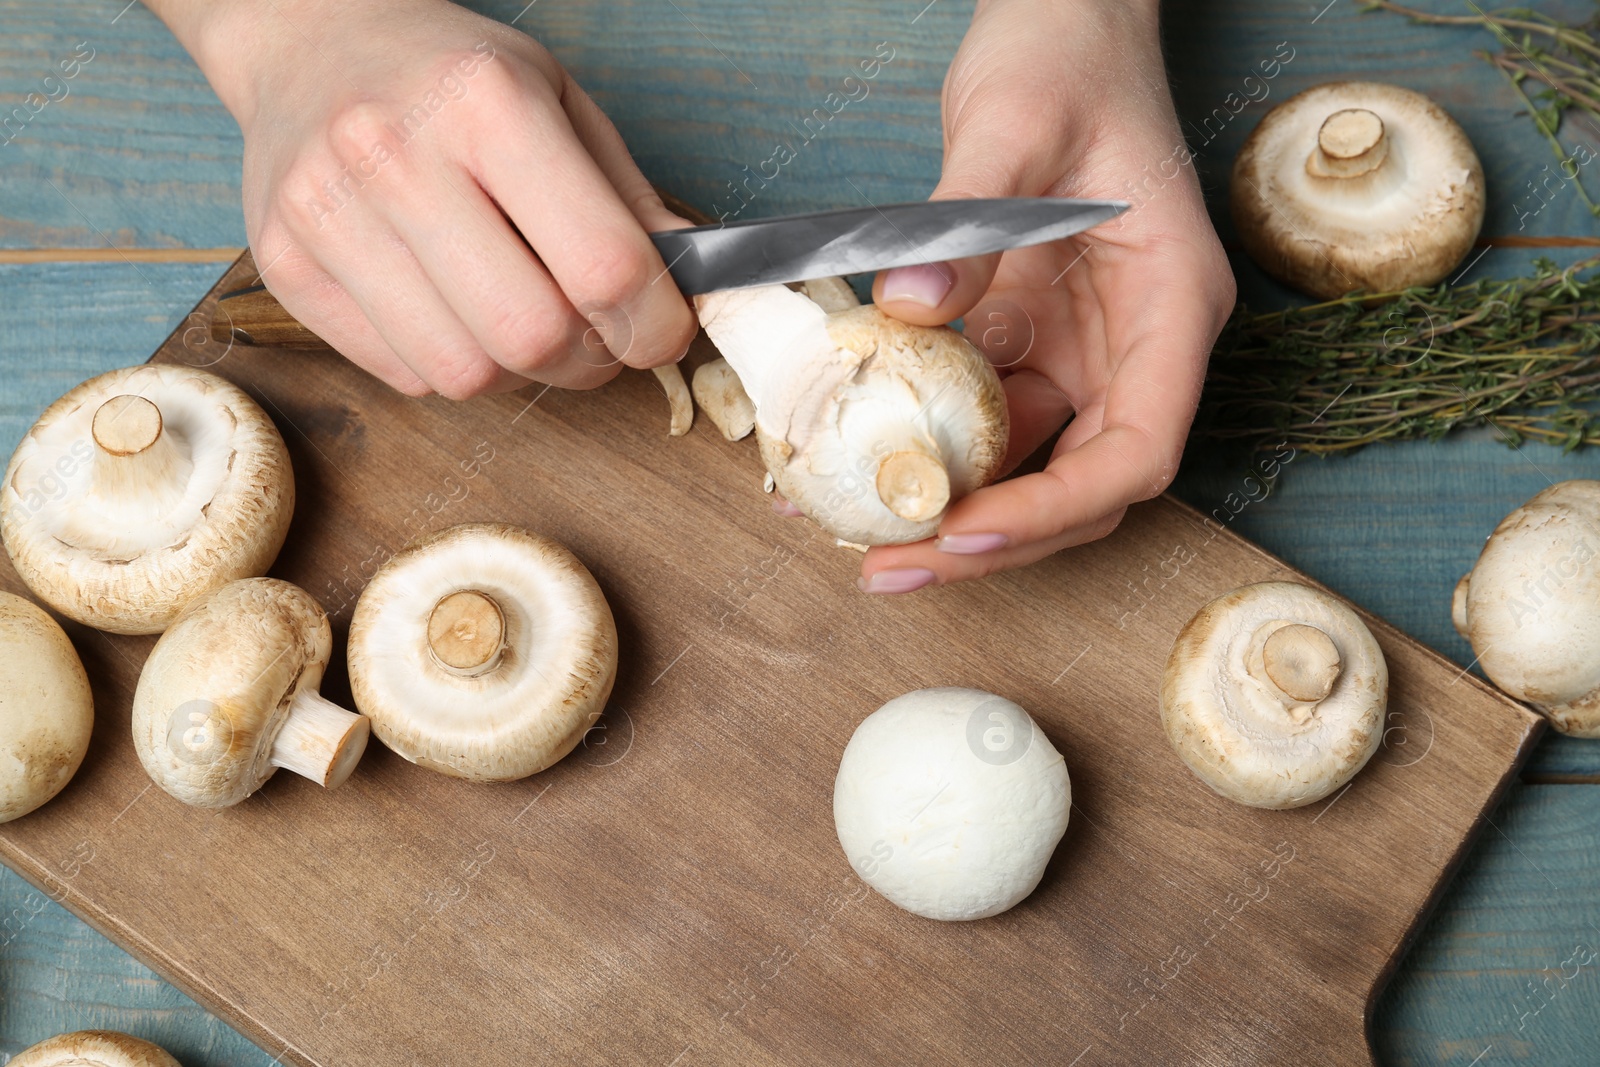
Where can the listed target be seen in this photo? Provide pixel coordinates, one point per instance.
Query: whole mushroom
(1357, 185)
(1274, 695)
(950, 802)
(46, 709)
(483, 651)
(140, 491)
(1530, 606)
(94, 1048)
(229, 695)
(869, 425)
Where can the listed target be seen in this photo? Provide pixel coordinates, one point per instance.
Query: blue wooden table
(119, 208)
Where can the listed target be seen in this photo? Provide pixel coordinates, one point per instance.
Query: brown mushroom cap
(46, 709)
(94, 1048)
(1357, 185)
(141, 490)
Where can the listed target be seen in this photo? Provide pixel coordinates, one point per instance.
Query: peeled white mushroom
(1357, 185)
(229, 695)
(141, 490)
(94, 1048)
(483, 651)
(950, 802)
(679, 401)
(46, 709)
(1530, 606)
(870, 426)
(1274, 695)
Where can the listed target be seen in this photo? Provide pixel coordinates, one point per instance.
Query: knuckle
(528, 337)
(358, 132)
(611, 277)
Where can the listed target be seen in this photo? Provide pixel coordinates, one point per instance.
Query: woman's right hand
(432, 193)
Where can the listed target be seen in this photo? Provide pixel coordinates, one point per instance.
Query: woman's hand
(1111, 328)
(431, 192)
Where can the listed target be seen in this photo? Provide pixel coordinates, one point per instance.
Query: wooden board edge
(147, 954)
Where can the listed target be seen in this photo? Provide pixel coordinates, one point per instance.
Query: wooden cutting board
(673, 893)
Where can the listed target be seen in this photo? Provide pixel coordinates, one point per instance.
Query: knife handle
(253, 316)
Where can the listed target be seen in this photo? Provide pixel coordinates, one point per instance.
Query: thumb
(932, 294)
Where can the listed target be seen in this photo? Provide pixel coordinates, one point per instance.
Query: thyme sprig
(1561, 61)
(1520, 355)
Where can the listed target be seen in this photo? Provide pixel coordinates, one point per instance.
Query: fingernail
(926, 284)
(685, 351)
(784, 508)
(971, 544)
(896, 580)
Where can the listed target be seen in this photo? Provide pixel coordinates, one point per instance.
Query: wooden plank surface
(143, 150)
(637, 895)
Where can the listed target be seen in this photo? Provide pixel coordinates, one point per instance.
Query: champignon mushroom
(1530, 606)
(46, 709)
(1357, 185)
(1274, 695)
(229, 695)
(94, 1048)
(483, 651)
(950, 802)
(141, 490)
(869, 425)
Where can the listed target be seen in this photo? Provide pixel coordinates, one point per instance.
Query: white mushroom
(1274, 695)
(721, 396)
(46, 709)
(94, 1048)
(1357, 185)
(869, 425)
(482, 651)
(1531, 605)
(831, 294)
(229, 695)
(141, 490)
(950, 802)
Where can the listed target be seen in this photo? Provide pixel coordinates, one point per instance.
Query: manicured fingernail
(926, 284)
(896, 580)
(970, 544)
(784, 508)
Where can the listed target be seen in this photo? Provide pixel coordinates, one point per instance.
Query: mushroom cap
(46, 709)
(950, 801)
(1234, 729)
(1532, 605)
(128, 562)
(843, 397)
(217, 688)
(1409, 220)
(554, 669)
(94, 1048)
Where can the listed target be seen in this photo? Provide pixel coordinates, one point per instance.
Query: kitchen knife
(788, 248)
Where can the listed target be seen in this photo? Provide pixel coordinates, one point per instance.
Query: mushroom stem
(466, 633)
(913, 483)
(1349, 144)
(1299, 662)
(1458, 606)
(320, 740)
(134, 458)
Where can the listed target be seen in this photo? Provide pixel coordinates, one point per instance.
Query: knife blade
(796, 248)
(787, 248)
